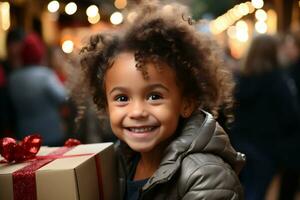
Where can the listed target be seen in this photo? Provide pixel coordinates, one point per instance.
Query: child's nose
(138, 110)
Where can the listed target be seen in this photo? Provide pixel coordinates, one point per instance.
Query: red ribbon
(26, 149)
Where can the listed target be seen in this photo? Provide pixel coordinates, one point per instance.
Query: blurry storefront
(68, 23)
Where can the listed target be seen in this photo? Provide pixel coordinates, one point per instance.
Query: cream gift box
(84, 172)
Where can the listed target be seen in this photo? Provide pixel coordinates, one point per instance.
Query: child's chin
(141, 148)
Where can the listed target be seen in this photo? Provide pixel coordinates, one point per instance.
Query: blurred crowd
(266, 127)
(34, 98)
(267, 116)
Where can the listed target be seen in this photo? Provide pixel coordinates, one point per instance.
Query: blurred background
(260, 43)
(66, 23)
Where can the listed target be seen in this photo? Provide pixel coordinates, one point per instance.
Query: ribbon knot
(14, 151)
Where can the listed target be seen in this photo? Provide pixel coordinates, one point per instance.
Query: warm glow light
(229, 18)
(261, 27)
(53, 6)
(71, 8)
(231, 32)
(242, 31)
(242, 36)
(242, 25)
(95, 19)
(224, 21)
(257, 3)
(116, 18)
(232, 14)
(120, 4)
(213, 28)
(131, 16)
(5, 15)
(261, 15)
(92, 11)
(243, 9)
(68, 46)
(250, 6)
(272, 21)
(237, 12)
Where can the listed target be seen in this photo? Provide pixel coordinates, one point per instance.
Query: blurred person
(58, 62)
(266, 116)
(37, 94)
(291, 52)
(290, 55)
(12, 61)
(14, 41)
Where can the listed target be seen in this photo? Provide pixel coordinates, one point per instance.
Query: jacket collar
(200, 133)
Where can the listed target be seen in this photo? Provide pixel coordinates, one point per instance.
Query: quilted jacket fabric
(199, 163)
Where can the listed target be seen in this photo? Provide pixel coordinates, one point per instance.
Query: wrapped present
(83, 172)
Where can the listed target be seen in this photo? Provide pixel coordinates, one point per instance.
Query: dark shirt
(133, 187)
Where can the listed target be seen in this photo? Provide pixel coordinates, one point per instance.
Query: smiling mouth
(141, 129)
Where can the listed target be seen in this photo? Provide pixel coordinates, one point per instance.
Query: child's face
(143, 113)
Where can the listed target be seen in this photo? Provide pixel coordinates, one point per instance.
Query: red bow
(26, 149)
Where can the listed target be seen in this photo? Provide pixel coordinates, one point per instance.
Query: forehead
(124, 70)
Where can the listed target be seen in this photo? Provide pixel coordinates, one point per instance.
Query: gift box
(83, 172)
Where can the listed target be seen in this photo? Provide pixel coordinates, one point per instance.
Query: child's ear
(188, 107)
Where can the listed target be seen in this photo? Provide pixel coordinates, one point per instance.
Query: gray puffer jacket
(199, 164)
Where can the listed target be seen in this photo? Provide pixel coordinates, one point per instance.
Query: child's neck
(147, 165)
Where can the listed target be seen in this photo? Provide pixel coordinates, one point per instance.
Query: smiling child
(158, 80)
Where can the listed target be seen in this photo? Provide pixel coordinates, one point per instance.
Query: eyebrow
(150, 87)
(157, 85)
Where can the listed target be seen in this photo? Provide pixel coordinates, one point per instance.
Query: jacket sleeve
(213, 182)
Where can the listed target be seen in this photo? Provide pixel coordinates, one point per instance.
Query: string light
(231, 32)
(224, 21)
(68, 46)
(95, 19)
(71, 8)
(257, 3)
(242, 31)
(92, 11)
(261, 15)
(53, 6)
(116, 18)
(243, 8)
(261, 27)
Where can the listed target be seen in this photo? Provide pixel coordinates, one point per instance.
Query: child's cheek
(115, 115)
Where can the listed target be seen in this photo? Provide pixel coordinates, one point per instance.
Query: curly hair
(161, 33)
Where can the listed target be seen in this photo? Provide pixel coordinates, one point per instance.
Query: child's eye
(121, 98)
(153, 97)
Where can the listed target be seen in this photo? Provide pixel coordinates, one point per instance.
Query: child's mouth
(141, 129)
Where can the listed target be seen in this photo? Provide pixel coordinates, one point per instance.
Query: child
(154, 80)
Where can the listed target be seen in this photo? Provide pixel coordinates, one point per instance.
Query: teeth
(141, 130)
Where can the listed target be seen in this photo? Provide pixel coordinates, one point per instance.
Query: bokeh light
(68, 46)
(92, 11)
(71, 8)
(116, 18)
(53, 6)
